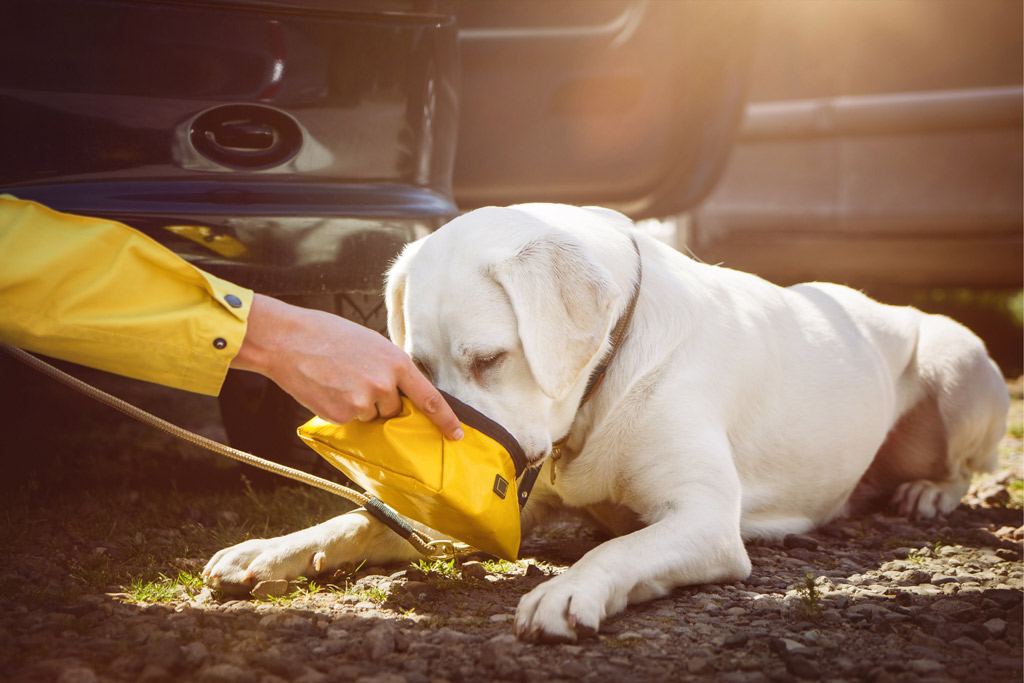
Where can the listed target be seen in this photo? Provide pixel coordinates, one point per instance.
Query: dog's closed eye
(483, 364)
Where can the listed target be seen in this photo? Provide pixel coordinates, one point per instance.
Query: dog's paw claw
(238, 568)
(558, 612)
(924, 499)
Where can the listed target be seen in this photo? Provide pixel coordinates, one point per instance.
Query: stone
(270, 589)
(379, 641)
(162, 650)
(505, 644)
(420, 590)
(736, 640)
(78, 674)
(868, 610)
(194, 654)
(423, 650)
(941, 579)
(410, 574)
(574, 669)
(276, 663)
(474, 570)
(926, 589)
(507, 667)
(286, 620)
(916, 577)
(152, 673)
(699, 666)
(1004, 597)
(800, 541)
(225, 673)
(926, 667)
(967, 643)
(382, 678)
(447, 636)
(997, 627)
(803, 668)
(533, 571)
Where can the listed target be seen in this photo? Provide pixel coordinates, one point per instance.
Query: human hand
(336, 368)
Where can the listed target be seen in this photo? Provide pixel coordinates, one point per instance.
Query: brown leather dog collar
(618, 333)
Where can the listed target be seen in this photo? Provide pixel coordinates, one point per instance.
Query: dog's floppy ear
(394, 293)
(562, 301)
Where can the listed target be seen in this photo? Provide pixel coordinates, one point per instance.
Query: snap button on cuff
(219, 343)
(233, 301)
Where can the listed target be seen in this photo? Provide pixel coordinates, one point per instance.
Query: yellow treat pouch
(467, 489)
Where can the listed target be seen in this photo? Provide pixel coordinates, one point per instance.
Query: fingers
(386, 408)
(390, 405)
(428, 399)
(369, 416)
(336, 368)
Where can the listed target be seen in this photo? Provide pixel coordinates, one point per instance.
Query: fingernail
(459, 434)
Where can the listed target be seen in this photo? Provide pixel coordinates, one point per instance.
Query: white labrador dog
(733, 409)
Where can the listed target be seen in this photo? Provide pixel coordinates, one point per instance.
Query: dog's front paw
(566, 609)
(241, 567)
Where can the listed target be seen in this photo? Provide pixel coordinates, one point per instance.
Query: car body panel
(882, 148)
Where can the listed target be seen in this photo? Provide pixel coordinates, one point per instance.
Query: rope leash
(432, 549)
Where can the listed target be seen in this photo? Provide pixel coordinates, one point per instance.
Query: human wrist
(268, 318)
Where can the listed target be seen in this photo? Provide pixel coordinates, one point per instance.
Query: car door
(631, 104)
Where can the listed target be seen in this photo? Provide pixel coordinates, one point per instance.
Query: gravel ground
(99, 584)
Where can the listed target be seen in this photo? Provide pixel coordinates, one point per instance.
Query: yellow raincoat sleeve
(98, 293)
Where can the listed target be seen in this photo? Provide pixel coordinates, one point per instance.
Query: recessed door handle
(242, 134)
(246, 136)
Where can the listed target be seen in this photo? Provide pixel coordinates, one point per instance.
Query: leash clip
(556, 455)
(441, 550)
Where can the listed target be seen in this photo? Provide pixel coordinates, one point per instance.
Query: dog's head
(508, 309)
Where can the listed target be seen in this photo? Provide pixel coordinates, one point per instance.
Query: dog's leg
(347, 539)
(643, 565)
(344, 540)
(696, 539)
(954, 428)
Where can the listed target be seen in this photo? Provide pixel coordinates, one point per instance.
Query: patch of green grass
(1016, 490)
(443, 568)
(304, 588)
(92, 570)
(503, 566)
(1007, 303)
(1016, 307)
(828, 563)
(300, 590)
(810, 598)
(611, 643)
(307, 589)
(371, 593)
(165, 589)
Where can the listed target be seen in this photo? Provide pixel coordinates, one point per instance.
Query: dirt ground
(105, 526)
